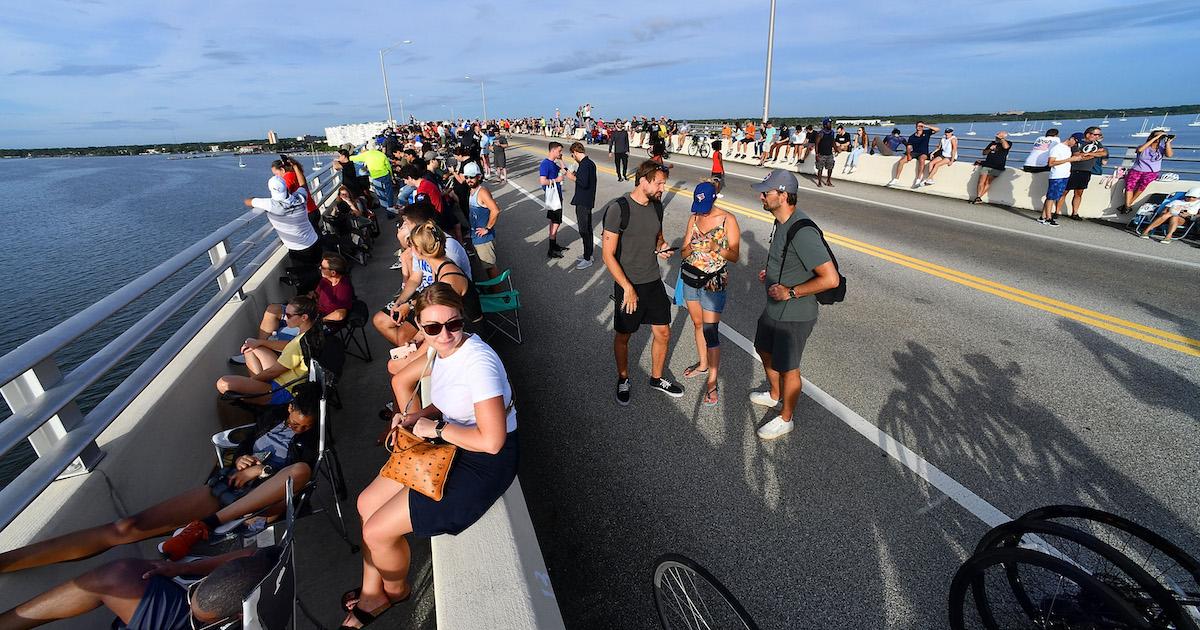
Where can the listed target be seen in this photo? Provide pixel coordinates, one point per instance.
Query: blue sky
(96, 72)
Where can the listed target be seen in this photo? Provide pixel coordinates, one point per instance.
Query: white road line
(979, 224)
(933, 475)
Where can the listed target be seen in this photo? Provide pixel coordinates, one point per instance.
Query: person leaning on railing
(282, 447)
(471, 407)
(288, 214)
(271, 373)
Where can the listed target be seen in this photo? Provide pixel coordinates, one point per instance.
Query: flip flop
(350, 600)
(693, 370)
(714, 400)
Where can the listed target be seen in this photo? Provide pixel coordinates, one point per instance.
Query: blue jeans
(383, 189)
(405, 194)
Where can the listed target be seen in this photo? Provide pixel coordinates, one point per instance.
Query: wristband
(266, 472)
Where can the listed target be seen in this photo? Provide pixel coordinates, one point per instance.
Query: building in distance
(272, 138)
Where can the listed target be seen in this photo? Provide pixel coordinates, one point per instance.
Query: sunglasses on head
(434, 329)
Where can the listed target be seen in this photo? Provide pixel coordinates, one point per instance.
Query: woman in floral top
(710, 242)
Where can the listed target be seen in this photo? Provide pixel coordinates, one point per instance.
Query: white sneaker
(763, 399)
(396, 265)
(777, 427)
(918, 183)
(928, 182)
(891, 182)
(583, 263)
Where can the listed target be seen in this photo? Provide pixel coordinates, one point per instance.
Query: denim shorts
(711, 301)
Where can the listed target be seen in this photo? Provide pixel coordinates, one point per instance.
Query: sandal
(694, 370)
(387, 411)
(350, 604)
(711, 398)
(365, 618)
(977, 200)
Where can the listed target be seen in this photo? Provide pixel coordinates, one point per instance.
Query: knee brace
(711, 338)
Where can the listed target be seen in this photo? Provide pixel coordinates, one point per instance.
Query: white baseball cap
(278, 188)
(1194, 192)
(471, 170)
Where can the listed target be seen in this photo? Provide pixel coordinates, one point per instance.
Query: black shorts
(783, 341)
(1079, 180)
(164, 606)
(919, 155)
(555, 216)
(653, 307)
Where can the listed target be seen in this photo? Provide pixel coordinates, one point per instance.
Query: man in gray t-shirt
(631, 254)
(796, 271)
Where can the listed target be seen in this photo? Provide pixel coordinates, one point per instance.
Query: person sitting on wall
(143, 596)
(282, 447)
(271, 373)
(334, 295)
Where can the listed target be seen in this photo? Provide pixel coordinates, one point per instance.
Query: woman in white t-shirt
(470, 407)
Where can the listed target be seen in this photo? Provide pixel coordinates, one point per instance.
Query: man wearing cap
(1090, 151)
(288, 214)
(633, 242)
(584, 200)
(1059, 161)
(797, 269)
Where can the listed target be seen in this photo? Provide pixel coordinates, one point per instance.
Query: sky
(103, 72)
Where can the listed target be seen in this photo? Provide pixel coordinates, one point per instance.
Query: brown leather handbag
(420, 465)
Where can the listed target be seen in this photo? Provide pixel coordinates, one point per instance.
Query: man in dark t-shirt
(826, 138)
(995, 159)
(917, 148)
(1090, 151)
(631, 255)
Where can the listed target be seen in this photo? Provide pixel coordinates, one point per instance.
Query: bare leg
(1159, 220)
(697, 316)
(1175, 222)
(791, 393)
(899, 169)
(772, 376)
(660, 338)
(270, 320)
(117, 585)
(985, 182)
(1075, 201)
(621, 353)
(245, 385)
(267, 493)
(155, 521)
(714, 355)
(383, 507)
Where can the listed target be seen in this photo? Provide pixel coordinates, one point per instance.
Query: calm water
(80, 228)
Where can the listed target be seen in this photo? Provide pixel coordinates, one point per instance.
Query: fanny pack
(694, 277)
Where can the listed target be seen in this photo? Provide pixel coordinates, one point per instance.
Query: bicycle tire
(1152, 600)
(1180, 573)
(669, 569)
(705, 150)
(1106, 607)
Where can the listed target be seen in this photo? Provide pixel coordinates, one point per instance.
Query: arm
(166, 568)
(1073, 158)
(487, 436)
(733, 232)
(589, 177)
(411, 282)
(687, 238)
(486, 199)
(931, 130)
(299, 171)
(608, 252)
(953, 148)
(825, 277)
(1167, 150)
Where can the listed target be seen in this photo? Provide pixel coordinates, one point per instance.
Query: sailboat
(1104, 123)
(316, 160)
(1057, 123)
(1123, 118)
(1143, 133)
(241, 164)
(972, 130)
(1195, 123)
(1162, 126)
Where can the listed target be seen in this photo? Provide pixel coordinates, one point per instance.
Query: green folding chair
(502, 309)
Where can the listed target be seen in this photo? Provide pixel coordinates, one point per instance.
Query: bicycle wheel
(705, 150)
(1098, 559)
(1170, 565)
(688, 596)
(1060, 595)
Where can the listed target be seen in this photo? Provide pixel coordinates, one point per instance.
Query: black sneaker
(554, 253)
(1076, 217)
(623, 391)
(1052, 223)
(673, 390)
(555, 245)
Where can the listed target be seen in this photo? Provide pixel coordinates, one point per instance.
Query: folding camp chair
(496, 306)
(353, 333)
(1160, 201)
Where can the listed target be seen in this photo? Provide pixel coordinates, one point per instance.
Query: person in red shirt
(718, 168)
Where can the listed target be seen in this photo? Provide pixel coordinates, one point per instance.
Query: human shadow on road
(1184, 325)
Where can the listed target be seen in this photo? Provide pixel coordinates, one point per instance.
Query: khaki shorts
(486, 252)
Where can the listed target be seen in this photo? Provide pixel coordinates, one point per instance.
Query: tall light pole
(770, 53)
(383, 70)
(482, 95)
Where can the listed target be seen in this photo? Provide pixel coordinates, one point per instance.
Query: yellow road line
(1141, 332)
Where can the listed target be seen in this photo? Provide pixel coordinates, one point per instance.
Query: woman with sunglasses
(470, 406)
(279, 449)
(272, 373)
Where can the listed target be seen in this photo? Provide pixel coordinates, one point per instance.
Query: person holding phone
(1147, 165)
(631, 248)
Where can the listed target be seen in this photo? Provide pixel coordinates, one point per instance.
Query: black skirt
(476, 480)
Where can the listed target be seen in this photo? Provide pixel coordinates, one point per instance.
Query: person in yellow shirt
(272, 374)
(380, 169)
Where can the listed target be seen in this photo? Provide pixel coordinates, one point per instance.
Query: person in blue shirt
(550, 176)
(918, 149)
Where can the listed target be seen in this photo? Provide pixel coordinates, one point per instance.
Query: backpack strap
(791, 234)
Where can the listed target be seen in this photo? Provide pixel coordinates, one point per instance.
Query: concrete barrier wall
(1015, 188)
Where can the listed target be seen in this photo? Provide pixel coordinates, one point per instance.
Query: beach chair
(353, 333)
(1160, 200)
(502, 309)
(327, 465)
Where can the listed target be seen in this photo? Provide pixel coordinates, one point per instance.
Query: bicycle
(688, 596)
(699, 145)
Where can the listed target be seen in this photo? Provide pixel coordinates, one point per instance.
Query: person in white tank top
(949, 149)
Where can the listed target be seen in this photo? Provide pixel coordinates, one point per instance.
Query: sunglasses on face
(434, 329)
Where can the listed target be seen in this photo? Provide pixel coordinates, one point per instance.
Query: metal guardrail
(42, 399)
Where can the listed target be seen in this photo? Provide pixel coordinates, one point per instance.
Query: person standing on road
(633, 243)
(826, 139)
(500, 155)
(550, 176)
(718, 168)
(995, 159)
(711, 242)
(1059, 160)
(584, 200)
(618, 149)
(916, 149)
(482, 212)
(1088, 149)
(797, 269)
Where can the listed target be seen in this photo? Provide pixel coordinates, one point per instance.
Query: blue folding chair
(1141, 219)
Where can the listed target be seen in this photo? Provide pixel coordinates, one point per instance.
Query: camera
(1170, 136)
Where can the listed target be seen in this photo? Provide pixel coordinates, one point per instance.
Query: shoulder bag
(420, 465)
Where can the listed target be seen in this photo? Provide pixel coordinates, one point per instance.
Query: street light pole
(770, 54)
(383, 70)
(483, 95)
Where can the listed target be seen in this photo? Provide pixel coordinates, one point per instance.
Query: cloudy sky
(96, 72)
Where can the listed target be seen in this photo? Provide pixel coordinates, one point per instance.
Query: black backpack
(828, 296)
(624, 205)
